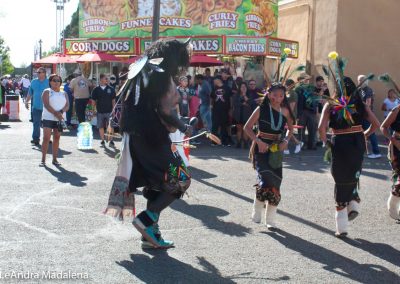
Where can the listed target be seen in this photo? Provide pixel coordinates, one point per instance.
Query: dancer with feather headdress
(148, 157)
(345, 113)
(392, 121)
(268, 145)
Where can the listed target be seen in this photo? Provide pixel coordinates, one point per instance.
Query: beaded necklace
(273, 125)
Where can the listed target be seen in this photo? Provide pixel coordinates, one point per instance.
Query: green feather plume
(342, 63)
(385, 78)
(326, 71)
(299, 68)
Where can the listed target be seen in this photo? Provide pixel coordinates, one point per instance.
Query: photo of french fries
(264, 9)
(113, 10)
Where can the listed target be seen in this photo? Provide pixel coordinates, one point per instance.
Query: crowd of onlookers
(223, 103)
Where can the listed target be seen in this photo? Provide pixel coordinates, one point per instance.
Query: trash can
(12, 107)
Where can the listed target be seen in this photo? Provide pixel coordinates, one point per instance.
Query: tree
(7, 67)
(72, 30)
(49, 52)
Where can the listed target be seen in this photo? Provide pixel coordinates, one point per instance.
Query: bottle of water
(85, 136)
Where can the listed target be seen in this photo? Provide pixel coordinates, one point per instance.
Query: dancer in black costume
(344, 114)
(148, 116)
(267, 150)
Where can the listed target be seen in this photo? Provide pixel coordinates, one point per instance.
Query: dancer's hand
(262, 146)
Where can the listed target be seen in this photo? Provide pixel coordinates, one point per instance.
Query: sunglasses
(56, 81)
(41, 72)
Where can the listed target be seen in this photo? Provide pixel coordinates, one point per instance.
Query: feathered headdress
(281, 75)
(343, 103)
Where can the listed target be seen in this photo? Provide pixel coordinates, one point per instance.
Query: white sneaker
(374, 156)
(286, 152)
(298, 147)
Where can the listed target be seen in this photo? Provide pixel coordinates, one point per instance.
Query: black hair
(351, 89)
(285, 102)
(199, 77)
(143, 118)
(319, 78)
(51, 77)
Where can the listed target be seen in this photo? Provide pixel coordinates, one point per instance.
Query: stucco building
(364, 31)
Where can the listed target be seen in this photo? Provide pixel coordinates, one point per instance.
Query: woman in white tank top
(55, 104)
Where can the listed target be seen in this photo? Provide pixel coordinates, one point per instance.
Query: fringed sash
(121, 202)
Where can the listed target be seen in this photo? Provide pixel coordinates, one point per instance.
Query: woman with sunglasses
(55, 104)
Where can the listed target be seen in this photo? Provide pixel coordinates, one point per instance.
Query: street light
(59, 21)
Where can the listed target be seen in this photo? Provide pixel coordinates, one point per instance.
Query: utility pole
(40, 48)
(156, 21)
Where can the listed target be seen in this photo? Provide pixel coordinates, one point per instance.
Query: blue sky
(24, 22)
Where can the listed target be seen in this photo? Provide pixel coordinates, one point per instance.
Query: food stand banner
(201, 45)
(238, 45)
(277, 45)
(120, 46)
(133, 18)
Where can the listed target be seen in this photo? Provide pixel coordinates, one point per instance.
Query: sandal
(56, 163)
(42, 164)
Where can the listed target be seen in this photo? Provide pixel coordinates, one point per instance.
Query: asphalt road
(51, 222)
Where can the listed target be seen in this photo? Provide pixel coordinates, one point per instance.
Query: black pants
(159, 170)
(80, 107)
(308, 119)
(347, 157)
(220, 120)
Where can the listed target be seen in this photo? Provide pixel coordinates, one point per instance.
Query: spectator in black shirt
(221, 105)
(307, 107)
(321, 89)
(104, 96)
(253, 93)
(367, 95)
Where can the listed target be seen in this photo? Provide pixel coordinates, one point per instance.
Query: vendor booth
(242, 31)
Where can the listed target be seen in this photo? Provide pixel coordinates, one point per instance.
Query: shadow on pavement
(300, 162)
(65, 176)
(111, 152)
(306, 222)
(61, 152)
(334, 262)
(382, 251)
(199, 175)
(2, 126)
(161, 268)
(208, 215)
(374, 175)
(90, 151)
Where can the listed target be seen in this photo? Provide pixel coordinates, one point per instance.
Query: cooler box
(12, 107)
